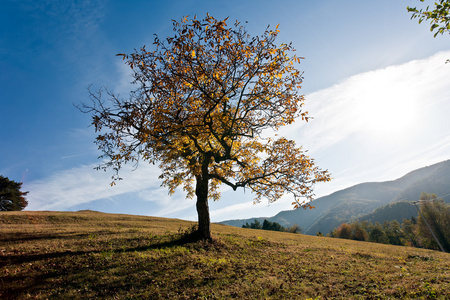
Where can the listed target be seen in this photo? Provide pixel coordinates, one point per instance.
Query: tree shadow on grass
(189, 236)
(25, 237)
(68, 270)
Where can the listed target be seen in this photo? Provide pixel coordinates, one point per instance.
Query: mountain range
(374, 201)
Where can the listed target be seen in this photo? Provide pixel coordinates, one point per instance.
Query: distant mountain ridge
(363, 199)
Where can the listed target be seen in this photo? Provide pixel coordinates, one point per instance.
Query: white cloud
(383, 102)
(166, 205)
(238, 211)
(84, 184)
(123, 85)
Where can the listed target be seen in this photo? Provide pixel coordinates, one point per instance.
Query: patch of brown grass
(95, 255)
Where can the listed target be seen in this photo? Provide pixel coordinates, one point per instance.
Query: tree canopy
(11, 198)
(206, 102)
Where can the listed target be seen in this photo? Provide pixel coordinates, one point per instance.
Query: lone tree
(204, 97)
(11, 198)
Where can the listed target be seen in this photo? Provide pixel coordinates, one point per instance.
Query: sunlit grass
(94, 255)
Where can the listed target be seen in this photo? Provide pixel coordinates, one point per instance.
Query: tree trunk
(204, 223)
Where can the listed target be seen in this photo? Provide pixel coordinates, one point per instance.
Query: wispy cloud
(84, 184)
(75, 17)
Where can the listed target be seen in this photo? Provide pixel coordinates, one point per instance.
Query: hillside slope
(356, 201)
(90, 255)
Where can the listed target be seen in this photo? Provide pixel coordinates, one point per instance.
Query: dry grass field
(91, 255)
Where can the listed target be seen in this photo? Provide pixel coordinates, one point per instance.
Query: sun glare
(385, 108)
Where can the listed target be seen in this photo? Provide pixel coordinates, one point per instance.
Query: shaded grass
(94, 255)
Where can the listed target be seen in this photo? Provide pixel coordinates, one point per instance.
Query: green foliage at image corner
(438, 16)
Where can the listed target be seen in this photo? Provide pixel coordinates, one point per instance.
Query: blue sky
(376, 84)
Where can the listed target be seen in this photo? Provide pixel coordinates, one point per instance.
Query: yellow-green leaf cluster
(203, 98)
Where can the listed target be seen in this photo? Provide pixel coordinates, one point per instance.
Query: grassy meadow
(91, 255)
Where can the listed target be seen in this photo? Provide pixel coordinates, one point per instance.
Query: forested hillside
(392, 211)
